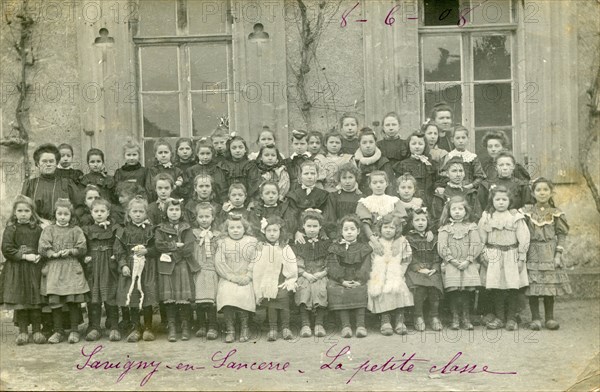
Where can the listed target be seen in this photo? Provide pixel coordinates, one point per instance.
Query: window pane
(441, 12)
(159, 68)
(490, 11)
(208, 67)
(451, 94)
(157, 17)
(491, 57)
(441, 58)
(161, 115)
(493, 104)
(480, 150)
(207, 108)
(207, 17)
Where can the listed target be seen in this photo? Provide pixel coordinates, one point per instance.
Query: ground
(544, 360)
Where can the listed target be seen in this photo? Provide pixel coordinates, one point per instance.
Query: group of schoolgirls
(347, 223)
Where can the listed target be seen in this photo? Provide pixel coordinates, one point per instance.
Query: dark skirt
(57, 301)
(21, 284)
(282, 301)
(342, 298)
(414, 279)
(178, 286)
(149, 286)
(102, 277)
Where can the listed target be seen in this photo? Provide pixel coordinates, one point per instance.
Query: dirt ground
(544, 360)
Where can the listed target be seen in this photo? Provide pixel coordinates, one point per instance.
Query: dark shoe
(495, 324)
(92, 336)
(39, 338)
(148, 336)
(535, 325)
(201, 332)
(552, 325)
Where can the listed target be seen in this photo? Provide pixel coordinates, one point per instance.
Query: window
(185, 69)
(467, 56)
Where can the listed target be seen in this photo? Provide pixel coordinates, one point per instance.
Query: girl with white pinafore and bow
(274, 275)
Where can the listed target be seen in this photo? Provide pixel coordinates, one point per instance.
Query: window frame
(183, 41)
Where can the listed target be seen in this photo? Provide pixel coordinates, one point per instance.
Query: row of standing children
(311, 180)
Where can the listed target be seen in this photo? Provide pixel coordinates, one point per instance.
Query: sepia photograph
(288, 195)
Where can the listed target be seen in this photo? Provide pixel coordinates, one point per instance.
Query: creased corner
(589, 378)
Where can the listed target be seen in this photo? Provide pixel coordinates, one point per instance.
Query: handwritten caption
(335, 362)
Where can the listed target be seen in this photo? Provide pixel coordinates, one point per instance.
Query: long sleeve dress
(312, 258)
(102, 271)
(396, 150)
(282, 209)
(104, 182)
(234, 260)
(424, 256)
(367, 165)
(63, 279)
(519, 190)
(258, 173)
(372, 208)
(548, 230)
(176, 277)
(153, 171)
(45, 190)
(206, 280)
(474, 173)
(506, 238)
(424, 170)
(489, 167)
(352, 263)
(128, 237)
(21, 278)
(276, 265)
(460, 241)
(220, 183)
(387, 287)
(135, 174)
(238, 172)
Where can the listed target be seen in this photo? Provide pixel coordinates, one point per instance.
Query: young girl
(307, 195)
(206, 280)
(236, 164)
(315, 145)
(420, 166)
(47, 188)
(459, 245)
(496, 142)
(268, 166)
(125, 192)
(234, 261)
(98, 176)
(274, 276)
(207, 166)
(132, 170)
(266, 137)
(203, 193)
(65, 165)
(506, 238)
(21, 274)
(163, 187)
(372, 208)
(388, 293)
(455, 170)
(163, 153)
(270, 205)
(392, 146)
(505, 169)
(474, 173)
(135, 241)
(176, 267)
(184, 154)
(407, 186)
(548, 231)
(348, 267)
(333, 160)
(349, 132)
(344, 200)
(368, 158)
(311, 292)
(441, 115)
(424, 276)
(101, 271)
(84, 212)
(219, 139)
(63, 282)
(236, 203)
(300, 155)
(432, 136)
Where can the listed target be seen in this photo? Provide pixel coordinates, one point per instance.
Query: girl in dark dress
(163, 153)
(236, 164)
(300, 155)
(207, 166)
(344, 200)
(184, 158)
(47, 188)
(101, 271)
(268, 166)
(349, 131)
(271, 205)
(65, 165)
(132, 170)
(98, 176)
(348, 268)
(392, 146)
(368, 158)
(84, 212)
(202, 193)
(496, 142)
(506, 177)
(22, 271)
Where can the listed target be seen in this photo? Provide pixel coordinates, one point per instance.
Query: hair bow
(224, 121)
(263, 225)
(427, 121)
(235, 216)
(313, 210)
(298, 134)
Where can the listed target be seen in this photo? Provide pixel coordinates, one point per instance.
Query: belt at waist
(502, 247)
(102, 248)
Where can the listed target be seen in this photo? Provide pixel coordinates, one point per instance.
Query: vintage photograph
(300, 195)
